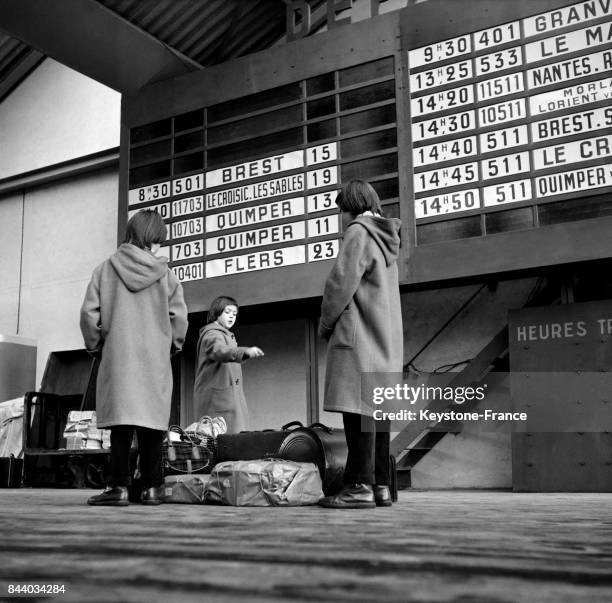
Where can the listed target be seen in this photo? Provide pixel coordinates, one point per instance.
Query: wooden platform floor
(461, 546)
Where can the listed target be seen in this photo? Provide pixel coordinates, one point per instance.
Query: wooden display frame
(393, 35)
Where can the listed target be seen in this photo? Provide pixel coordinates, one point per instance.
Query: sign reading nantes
(512, 115)
(272, 203)
(495, 114)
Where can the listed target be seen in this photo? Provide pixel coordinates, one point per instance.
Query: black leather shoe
(111, 497)
(355, 496)
(382, 496)
(150, 496)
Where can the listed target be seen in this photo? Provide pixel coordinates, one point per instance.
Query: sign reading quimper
(501, 117)
(234, 206)
(506, 71)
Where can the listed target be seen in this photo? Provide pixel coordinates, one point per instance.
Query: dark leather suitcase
(321, 445)
(252, 445)
(11, 470)
(326, 447)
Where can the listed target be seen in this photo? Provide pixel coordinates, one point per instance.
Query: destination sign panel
(273, 203)
(247, 239)
(253, 169)
(485, 119)
(259, 260)
(574, 123)
(556, 70)
(572, 96)
(249, 216)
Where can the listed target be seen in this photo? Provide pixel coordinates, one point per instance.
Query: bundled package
(82, 432)
(264, 483)
(185, 489)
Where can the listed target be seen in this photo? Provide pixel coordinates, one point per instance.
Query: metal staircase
(415, 441)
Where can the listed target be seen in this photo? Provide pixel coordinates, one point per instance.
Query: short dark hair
(358, 196)
(218, 305)
(145, 228)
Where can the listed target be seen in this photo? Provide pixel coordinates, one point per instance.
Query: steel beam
(93, 40)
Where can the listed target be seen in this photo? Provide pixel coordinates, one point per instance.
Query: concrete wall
(275, 385)
(69, 228)
(52, 236)
(11, 208)
(56, 115)
(46, 258)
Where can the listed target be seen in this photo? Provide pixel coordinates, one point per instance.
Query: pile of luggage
(295, 465)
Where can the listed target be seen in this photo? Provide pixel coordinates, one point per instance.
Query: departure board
(220, 201)
(247, 186)
(514, 115)
(484, 125)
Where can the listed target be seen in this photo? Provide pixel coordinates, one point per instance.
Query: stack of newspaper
(82, 432)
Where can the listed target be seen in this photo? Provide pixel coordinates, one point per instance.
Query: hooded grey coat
(361, 312)
(218, 385)
(135, 317)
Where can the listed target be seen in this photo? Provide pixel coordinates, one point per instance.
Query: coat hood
(137, 268)
(214, 326)
(384, 231)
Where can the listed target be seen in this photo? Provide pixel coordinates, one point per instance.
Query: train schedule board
(486, 126)
(510, 134)
(244, 160)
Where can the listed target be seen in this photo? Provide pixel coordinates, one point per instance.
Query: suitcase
(68, 384)
(252, 445)
(11, 470)
(326, 447)
(321, 445)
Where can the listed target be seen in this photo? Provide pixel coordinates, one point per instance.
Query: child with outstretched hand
(218, 384)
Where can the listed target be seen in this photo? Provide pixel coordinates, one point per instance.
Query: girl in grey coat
(218, 385)
(133, 318)
(361, 317)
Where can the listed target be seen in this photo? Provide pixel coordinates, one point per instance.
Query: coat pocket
(344, 331)
(223, 399)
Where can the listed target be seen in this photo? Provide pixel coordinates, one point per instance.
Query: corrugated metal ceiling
(11, 53)
(16, 61)
(206, 31)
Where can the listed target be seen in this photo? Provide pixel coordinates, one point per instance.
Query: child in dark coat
(218, 385)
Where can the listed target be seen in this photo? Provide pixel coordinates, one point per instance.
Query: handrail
(473, 372)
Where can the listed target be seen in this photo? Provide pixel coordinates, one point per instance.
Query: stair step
(446, 427)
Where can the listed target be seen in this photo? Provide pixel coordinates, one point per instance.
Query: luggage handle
(293, 423)
(321, 426)
(185, 437)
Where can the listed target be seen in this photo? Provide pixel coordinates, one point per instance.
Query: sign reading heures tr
(239, 208)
